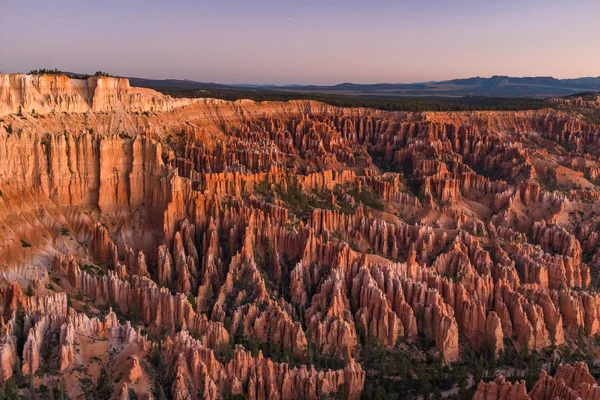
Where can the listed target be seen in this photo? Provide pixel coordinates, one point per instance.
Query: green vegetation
(158, 369)
(192, 300)
(9, 129)
(409, 369)
(50, 353)
(9, 390)
(22, 386)
(132, 394)
(60, 392)
(589, 96)
(224, 352)
(367, 197)
(581, 349)
(92, 270)
(103, 387)
(319, 360)
(102, 73)
(131, 315)
(589, 114)
(405, 372)
(46, 71)
(55, 71)
(391, 103)
(280, 354)
(57, 393)
(301, 203)
(25, 244)
(241, 285)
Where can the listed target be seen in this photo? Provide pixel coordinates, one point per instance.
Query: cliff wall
(43, 94)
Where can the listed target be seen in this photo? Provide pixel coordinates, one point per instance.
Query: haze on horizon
(314, 42)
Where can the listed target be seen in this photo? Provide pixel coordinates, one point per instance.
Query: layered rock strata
(237, 245)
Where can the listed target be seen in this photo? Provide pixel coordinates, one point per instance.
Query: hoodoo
(152, 246)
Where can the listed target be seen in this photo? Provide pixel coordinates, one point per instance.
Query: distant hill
(175, 83)
(495, 86)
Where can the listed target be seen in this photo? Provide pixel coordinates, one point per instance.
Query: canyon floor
(155, 248)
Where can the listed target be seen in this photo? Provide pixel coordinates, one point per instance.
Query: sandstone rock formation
(211, 248)
(42, 94)
(570, 382)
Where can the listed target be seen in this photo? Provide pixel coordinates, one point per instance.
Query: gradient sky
(320, 42)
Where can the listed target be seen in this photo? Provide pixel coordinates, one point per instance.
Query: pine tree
(463, 380)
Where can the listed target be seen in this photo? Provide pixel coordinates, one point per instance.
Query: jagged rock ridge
(210, 248)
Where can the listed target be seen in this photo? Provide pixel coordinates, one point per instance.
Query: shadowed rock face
(208, 248)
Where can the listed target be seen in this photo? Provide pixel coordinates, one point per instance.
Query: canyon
(153, 247)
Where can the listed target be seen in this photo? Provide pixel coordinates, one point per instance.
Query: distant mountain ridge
(495, 86)
(175, 83)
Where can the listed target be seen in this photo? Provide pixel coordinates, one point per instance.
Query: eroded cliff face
(44, 94)
(212, 248)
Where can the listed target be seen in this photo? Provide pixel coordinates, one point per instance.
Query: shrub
(102, 73)
(46, 71)
(224, 352)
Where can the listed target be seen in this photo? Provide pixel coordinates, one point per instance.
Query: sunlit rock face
(44, 94)
(204, 248)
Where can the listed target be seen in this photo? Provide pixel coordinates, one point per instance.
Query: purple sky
(320, 42)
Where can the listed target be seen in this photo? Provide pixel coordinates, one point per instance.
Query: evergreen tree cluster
(390, 103)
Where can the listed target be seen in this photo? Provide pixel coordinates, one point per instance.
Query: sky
(303, 42)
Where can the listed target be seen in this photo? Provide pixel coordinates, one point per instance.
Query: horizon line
(314, 84)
